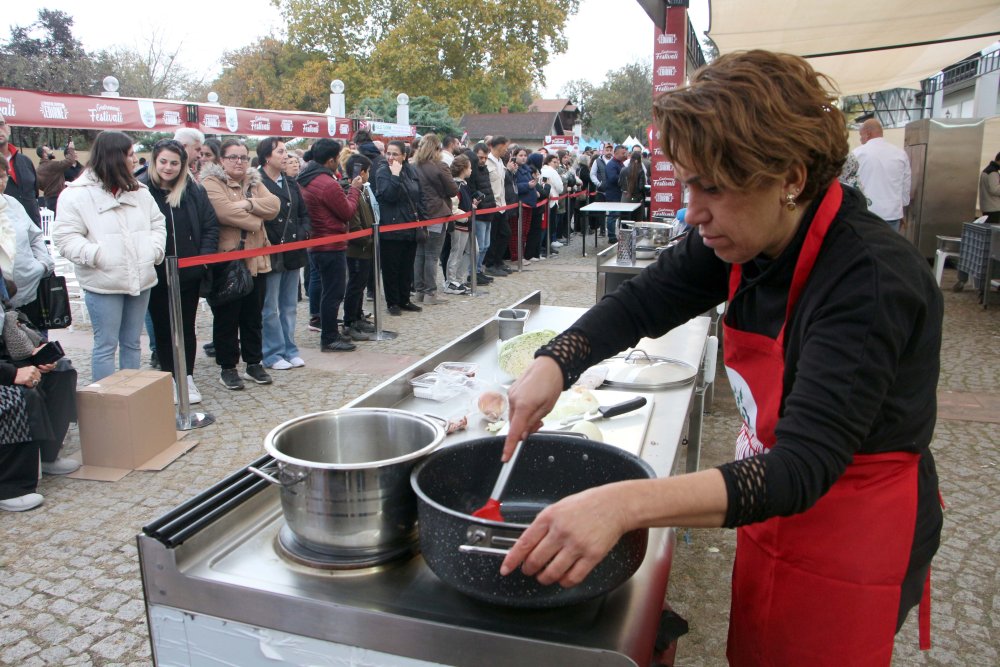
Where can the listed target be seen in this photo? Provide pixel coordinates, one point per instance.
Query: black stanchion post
(380, 334)
(520, 237)
(186, 420)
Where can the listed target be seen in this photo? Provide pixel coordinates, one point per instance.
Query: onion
(493, 405)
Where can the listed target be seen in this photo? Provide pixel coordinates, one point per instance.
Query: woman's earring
(790, 201)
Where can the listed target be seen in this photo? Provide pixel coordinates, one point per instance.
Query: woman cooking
(832, 339)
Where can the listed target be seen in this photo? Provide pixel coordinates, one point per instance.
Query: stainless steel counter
(223, 590)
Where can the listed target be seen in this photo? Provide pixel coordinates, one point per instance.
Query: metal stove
(226, 584)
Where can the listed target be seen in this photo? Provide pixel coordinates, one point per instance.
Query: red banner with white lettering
(669, 56)
(261, 123)
(32, 108)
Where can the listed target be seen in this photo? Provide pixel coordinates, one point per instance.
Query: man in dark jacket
(330, 209)
(479, 183)
(612, 190)
(22, 183)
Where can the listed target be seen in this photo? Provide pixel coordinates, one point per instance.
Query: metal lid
(639, 370)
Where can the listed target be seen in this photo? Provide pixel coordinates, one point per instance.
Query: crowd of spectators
(116, 218)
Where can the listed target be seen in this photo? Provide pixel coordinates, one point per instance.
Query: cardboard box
(127, 423)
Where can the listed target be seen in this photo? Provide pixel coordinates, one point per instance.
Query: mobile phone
(49, 353)
(356, 171)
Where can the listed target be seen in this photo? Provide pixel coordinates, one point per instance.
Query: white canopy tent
(863, 46)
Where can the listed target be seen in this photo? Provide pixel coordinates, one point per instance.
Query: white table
(607, 208)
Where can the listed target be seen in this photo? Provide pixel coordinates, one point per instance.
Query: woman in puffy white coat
(109, 226)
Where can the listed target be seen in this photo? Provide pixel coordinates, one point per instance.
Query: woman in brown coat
(242, 204)
(437, 187)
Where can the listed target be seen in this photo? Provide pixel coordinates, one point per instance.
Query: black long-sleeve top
(861, 355)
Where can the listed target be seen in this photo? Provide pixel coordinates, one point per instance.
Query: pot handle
(265, 476)
(476, 536)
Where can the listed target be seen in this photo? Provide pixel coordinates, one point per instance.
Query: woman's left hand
(568, 539)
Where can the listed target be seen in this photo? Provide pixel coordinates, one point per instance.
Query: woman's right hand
(29, 376)
(395, 167)
(531, 398)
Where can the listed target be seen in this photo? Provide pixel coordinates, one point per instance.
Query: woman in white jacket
(109, 226)
(552, 178)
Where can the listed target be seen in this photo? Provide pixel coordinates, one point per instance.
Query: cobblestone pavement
(70, 591)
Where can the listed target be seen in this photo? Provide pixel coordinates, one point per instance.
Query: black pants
(18, 469)
(159, 310)
(499, 238)
(397, 270)
(358, 270)
(51, 407)
(237, 328)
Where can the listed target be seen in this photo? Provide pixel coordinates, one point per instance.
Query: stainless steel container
(345, 478)
(511, 321)
(653, 234)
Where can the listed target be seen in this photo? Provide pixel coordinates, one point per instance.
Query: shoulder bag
(232, 279)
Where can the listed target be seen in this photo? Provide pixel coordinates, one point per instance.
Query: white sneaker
(280, 365)
(556, 244)
(61, 466)
(526, 261)
(297, 362)
(28, 501)
(455, 288)
(194, 396)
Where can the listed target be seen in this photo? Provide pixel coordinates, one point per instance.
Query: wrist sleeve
(746, 490)
(571, 350)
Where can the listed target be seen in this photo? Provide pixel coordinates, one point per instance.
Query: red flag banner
(669, 56)
(31, 108)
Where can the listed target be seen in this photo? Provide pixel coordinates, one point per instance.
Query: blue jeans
(332, 269)
(613, 227)
(278, 316)
(314, 290)
(117, 320)
(482, 241)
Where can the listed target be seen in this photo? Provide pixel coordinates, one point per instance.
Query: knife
(604, 412)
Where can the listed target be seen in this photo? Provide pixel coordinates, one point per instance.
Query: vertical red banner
(669, 58)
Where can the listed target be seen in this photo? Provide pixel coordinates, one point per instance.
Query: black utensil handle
(623, 407)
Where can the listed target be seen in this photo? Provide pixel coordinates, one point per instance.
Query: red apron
(821, 587)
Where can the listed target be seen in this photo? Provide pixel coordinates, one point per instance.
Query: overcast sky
(621, 27)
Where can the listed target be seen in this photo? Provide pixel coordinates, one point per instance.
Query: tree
(458, 52)
(45, 55)
(425, 113)
(153, 71)
(621, 106)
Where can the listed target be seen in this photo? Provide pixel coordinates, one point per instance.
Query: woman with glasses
(241, 204)
(398, 194)
(111, 229)
(192, 229)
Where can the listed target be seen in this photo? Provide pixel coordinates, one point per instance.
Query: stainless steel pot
(653, 234)
(345, 478)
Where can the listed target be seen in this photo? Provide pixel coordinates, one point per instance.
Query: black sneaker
(209, 349)
(410, 307)
(257, 373)
(314, 324)
(394, 310)
(483, 279)
(495, 272)
(353, 333)
(230, 379)
(338, 346)
(154, 361)
(364, 326)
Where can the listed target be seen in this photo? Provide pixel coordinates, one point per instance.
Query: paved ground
(70, 592)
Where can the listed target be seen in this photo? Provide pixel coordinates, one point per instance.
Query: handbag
(232, 280)
(19, 339)
(14, 426)
(53, 303)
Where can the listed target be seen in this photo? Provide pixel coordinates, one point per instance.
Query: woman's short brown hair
(749, 117)
(108, 161)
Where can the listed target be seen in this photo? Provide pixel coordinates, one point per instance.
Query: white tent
(863, 46)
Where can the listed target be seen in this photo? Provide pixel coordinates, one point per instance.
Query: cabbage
(517, 353)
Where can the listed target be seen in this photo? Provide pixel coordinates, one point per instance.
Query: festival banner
(556, 142)
(388, 130)
(32, 108)
(669, 55)
(214, 119)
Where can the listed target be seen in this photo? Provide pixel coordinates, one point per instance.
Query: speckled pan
(457, 479)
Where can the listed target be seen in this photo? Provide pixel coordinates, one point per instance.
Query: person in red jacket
(330, 209)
